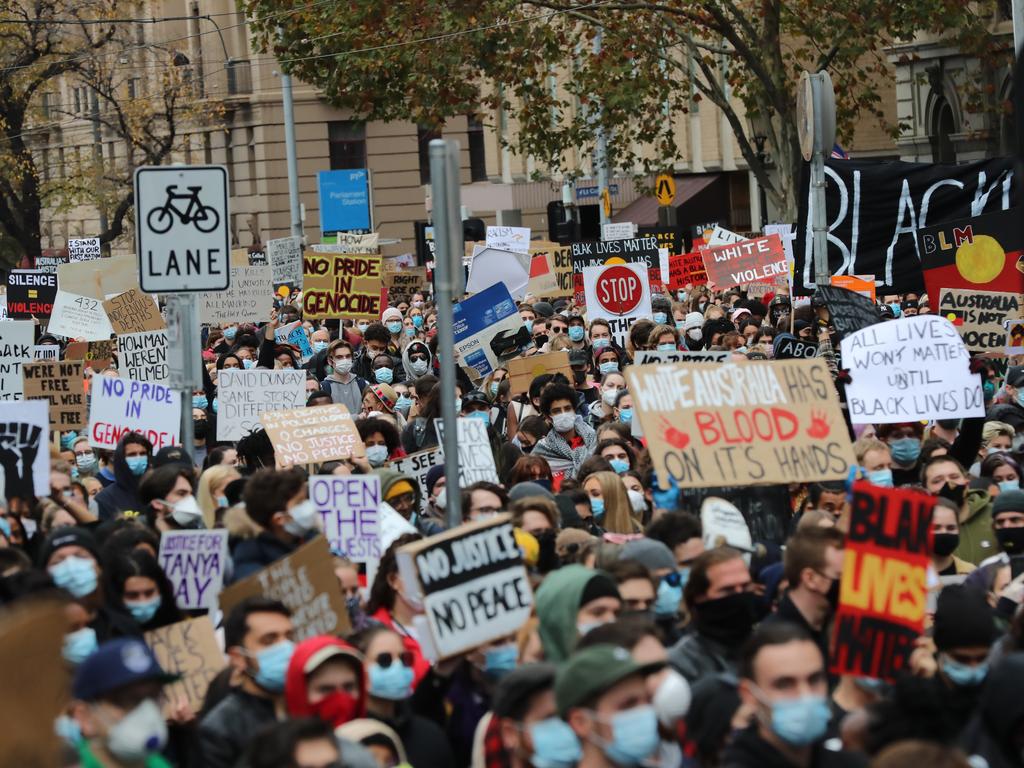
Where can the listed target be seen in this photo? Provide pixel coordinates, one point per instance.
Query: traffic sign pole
(184, 356)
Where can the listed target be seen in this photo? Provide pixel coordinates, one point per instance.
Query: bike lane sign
(181, 228)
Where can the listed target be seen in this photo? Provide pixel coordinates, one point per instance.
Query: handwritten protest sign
(652, 356)
(543, 278)
(472, 582)
(914, 368)
(416, 465)
(119, 406)
(143, 356)
(488, 330)
(78, 317)
(346, 286)
(30, 293)
(349, 507)
(100, 278)
(1014, 335)
(248, 300)
(24, 449)
(194, 562)
(523, 370)
(133, 312)
(978, 316)
(295, 334)
(83, 248)
(515, 239)
(748, 261)
(849, 311)
(243, 395)
(882, 593)
(16, 337)
(686, 269)
(312, 435)
(46, 352)
(721, 236)
(285, 256)
(633, 250)
(190, 650)
(476, 460)
(50, 259)
(402, 285)
(305, 582)
(709, 424)
(561, 262)
(62, 386)
(347, 242)
(786, 346)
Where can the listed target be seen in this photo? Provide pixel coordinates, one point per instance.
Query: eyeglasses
(385, 660)
(485, 510)
(417, 358)
(673, 579)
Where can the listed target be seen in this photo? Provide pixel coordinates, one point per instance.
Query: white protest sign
(16, 337)
(722, 236)
(911, 369)
(143, 356)
(515, 239)
(786, 233)
(392, 526)
(473, 584)
(242, 395)
(119, 406)
(248, 300)
(724, 525)
(349, 507)
(416, 466)
(285, 257)
(492, 265)
(652, 356)
(79, 317)
(618, 293)
(45, 352)
(476, 460)
(346, 242)
(194, 562)
(622, 230)
(83, 248)
(25, 449)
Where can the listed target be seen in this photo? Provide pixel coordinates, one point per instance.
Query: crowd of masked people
(646, 647)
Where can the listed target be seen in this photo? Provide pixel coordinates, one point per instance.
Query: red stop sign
(619, 290)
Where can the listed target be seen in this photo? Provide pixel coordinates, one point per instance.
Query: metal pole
(819, 223)
(1018, 26)
(290, 154)
(444, 185)
(97, 151)
(184, 357)
(601, 148)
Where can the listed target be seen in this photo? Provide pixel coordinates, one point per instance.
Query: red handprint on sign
(673, 436)
(819, 428)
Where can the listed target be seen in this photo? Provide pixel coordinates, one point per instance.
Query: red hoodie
(338, 707)
(420, 666)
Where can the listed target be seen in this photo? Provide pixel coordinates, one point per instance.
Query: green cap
(593, 671)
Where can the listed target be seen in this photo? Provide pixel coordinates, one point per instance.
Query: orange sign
(862, 284)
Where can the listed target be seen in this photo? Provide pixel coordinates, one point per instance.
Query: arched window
(943, 128)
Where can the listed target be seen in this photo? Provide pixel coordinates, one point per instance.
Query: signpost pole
(444, 182)
(601, 147)
(824, 118)
(183, 357)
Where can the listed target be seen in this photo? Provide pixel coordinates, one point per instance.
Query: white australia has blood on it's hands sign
(181, 228)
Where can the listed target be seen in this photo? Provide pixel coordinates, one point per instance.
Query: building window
(423, 138)
(477, 150)
(943, 128)
(346, 142)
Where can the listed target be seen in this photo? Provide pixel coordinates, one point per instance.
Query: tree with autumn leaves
(429, 60)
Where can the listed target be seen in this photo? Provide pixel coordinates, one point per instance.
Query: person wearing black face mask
(1008, 522)
(813, 565)
(200, 436)
(719, 598)
(945, 540)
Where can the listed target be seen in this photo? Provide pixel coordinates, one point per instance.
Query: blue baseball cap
(115, 664)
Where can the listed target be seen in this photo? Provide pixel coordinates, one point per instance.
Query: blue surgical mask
(963, 675)
(376, 455)
(319, 346)
(144, 611)
(597, 507)
(684, 576)
(660, 318)
(384, 375)
(667, 347)
(417, 321)
(68, 439)
(625, 415)
(68, 730)
(609, 366)
(403, 403)
(248, 364)
(222, 501)
(619, 466)
(79, 645)
(410, 331)
(500, 660)
(634, 736)
(458, 405)
(668, 599)
(215, 405)
(554, 744)
(393, 682)
(602, 343)
(273, 665)
(230, 333)
(484, 416)
(362, 327)
(394, 327)
(680, 325)
(200, 401)
(86, 462)
(528, 325)
(576, 332)
(880, 477)
(75, 574)
(801, 721)
(1009, 485)
(905, 450)
(137, 464)
(493, 388)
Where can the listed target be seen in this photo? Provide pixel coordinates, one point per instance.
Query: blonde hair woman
(610, 503)
(210, 494)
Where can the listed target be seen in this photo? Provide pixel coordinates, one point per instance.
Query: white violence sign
(914, 368)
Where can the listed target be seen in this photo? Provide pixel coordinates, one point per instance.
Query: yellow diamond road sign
(665, 189)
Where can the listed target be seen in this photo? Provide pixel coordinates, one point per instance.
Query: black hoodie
(993, 731)
(121, 496)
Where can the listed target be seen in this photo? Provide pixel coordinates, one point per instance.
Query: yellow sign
(665, 189)
(606, 201)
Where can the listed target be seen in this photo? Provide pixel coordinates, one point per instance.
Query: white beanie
(693, 320)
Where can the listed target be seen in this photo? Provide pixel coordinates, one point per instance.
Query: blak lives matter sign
(181, 228)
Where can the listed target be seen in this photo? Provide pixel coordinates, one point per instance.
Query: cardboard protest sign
(523, 370)
(100, 278)
(982, 253)
(472, 582)
(515, 239)
(708, 424)
(143, 356)
(618, 293)
(349, 508)
(24, 449)
(189, 649)
(1014, 336)
(30, 293)
(476, 459)
(748, 261)
(488, 330)
(788, 347)
(118, 406)
(634, 250)
(346, 286)
(914, 368)
(312, 435)
(243, 395)
(61, 385)
(652, 356)
(882, 593)
(490, 266)
(45, 352)
(194, 562)
(305, 582)
(561, 262)
(78, 317)
(849, 311)
(978, 316)
(16, 339)
(403, 284)
(347, 242)
(285, 257)
(133, 312)
(248, 300)
(543, 278)
(416, 465)
(98, 354)
(83, 248)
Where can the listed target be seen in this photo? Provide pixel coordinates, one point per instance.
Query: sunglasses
(672, 579)
(384, 660)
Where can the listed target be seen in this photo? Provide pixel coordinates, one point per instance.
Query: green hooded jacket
(388, 477)
(558, 602)
(977, 540)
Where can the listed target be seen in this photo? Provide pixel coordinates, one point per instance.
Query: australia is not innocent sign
(181, 228)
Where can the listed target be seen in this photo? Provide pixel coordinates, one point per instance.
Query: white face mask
(140, 733)
(441, 500)
(563, 422)
(609, 395)
(637, 501)
(672, 699)
(695, 334)
(186, 512)
(304, 518)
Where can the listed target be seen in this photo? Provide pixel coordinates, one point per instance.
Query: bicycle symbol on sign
(203, 217)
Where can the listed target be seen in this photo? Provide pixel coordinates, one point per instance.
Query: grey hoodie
(416, 346)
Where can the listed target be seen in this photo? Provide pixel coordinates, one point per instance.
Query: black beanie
(600, 585)
(67, 536)
(963, 619)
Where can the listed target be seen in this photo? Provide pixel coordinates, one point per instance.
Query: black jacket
(252, 555)
(229, 726)
(121, 496)
(1011, 413)
(748, 750)
(425, 743)
(991, 732)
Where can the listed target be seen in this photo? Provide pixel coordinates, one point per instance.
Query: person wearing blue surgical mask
(532, 733)
(143, 589)
(383, 368)
(623, 410)
(130, 463)
(380, 438)
(527, 315)
(904, 441)
(875, 461)
(600, 334)
(964, 633)
(577, 332)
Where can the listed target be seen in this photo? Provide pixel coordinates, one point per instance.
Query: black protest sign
(789, 347)
(874, 208)
(631, 250)
(667, 237)
(848, 310)
(30, 293)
